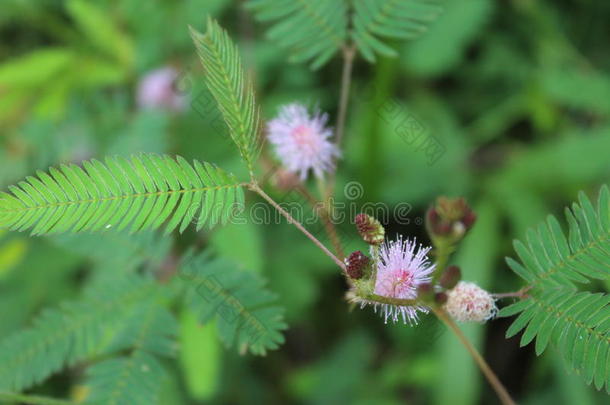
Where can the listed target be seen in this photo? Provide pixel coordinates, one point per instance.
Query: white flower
(302, 141)
(467, 302)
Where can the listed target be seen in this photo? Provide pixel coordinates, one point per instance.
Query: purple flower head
(402, 267)
(302, 141)
(156, 90)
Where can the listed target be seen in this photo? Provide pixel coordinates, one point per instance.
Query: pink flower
(302, 141)
(467, 302)
(402, 267)
(157, 90)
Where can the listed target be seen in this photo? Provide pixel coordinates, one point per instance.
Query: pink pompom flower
(157, 90)
(402, 266)
(302, 141)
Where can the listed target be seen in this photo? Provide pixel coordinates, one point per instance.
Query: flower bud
(425, 291)
(449, 218)
(370, 229)
(440, 298)
(451, 276)
(356, 264)
(468, 302)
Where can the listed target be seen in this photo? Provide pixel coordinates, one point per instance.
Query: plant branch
(495, 383)
(255, 188)
(320, 208)
(522, 293)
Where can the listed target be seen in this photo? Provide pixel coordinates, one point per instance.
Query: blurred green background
(517, 92)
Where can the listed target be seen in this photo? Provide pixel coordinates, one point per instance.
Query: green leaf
(141, 193)
(137, 377)
(311, 30)
(245, 311)
(552, 259)
(98, 26)
(392, 19)
(230, 88)
(576, 322)
(73, 332)
(35, 68)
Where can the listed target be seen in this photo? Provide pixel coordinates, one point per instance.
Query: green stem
(442, 251)
(493, 380)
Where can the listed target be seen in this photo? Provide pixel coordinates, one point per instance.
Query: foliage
(246, 314)
(73, 332)
(552, 258)
(141, 193)
(389, 19)
(553, 311)
(513, 94)
(316, 30)
(233, 92)
(313, 30)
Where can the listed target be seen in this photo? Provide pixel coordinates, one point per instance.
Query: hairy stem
(495, 383)
(255, 188)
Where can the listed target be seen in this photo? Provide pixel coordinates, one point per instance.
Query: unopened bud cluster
(449, 218)
(467, 302)
(357, 264)
(370, 229)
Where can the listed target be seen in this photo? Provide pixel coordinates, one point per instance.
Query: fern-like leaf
(61, 337)
(137, 377)
(131, 380)
(245, 312)
(230, 88)
(578, 323)
(393, 19)
(312, 30)
(142, 193)
(551, 258)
